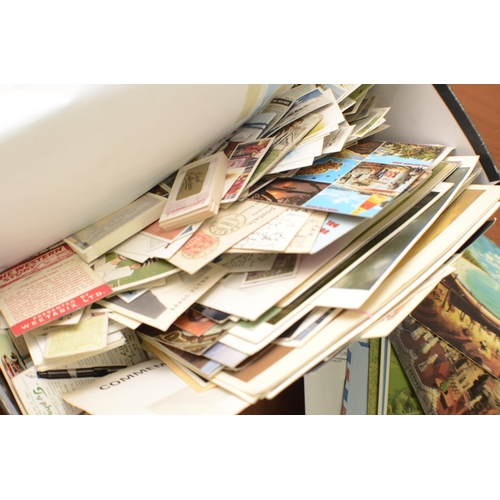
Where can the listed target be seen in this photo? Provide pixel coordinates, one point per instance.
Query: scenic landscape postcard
(321, 196)
(445, 381)
(327, 168)
(371, 177)
(341, 200)
(464, 309)
(413, 155)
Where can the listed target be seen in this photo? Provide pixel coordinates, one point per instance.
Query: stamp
(227, 224)
(199, 245)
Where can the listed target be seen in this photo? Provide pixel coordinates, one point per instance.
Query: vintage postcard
(181, 339)
(251, 302)
(401, 398)
(196, 192)
(89, 335)
(336, 140)
(219, 233)
(217, 316)
(161, 306)
(445, 381)
(304, 240)
(246, 262)
(328, 168)
(200, 365)
(59, 279)
(103, 235)
(225, 355)
(464, 308)
(361, 150)
(289, 192)
(341, 200)
(121, 273)
(194, 322)
(370, 177)
(285, 266)
(352, 287)
(304, 329)
(304, 105)
(246, 156)
(363, 127)
(301, 156)
(277, 234)
(280, 104)
(334, 227)
(286, 139)
(411, 155)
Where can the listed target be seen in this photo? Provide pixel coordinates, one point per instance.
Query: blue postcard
(326, 169)
(345, 201)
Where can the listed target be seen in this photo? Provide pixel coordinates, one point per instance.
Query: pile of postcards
(239, 273)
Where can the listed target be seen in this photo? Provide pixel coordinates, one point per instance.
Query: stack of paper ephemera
(275, 250)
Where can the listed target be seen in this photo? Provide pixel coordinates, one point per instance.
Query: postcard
(445, 381)
(401, 398)
(412, 155)
(181, 339)
(167, 251)
(370, 177)
(250, 303)
(374, 119)
(134, 294)
(225, 355)
(351, 288)
(334, 227)
(89, 335)
(304, 105)
(328, 168)
(246, 156)
(463, 309)
(36, 346)
(196, 189)
(341, 200)
(284, 141)
(194, 322)
(304, 240)
(217, 316)
(253, 128)
(198, 383)
(361, 150)
(121, 273)
(276, 235)
(332, 117)
(285, 266)
(219, 233)
(335, 142)
(246, 262)
(356, 383)
(305, 153)
(304, 329)
(280, 104)
(103, 235)
(61, 281)
(200, 365)
(161, 306)
(289, 191)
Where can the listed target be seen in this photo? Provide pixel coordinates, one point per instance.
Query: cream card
(221, 232)
(303, 241)
(89, 335)
(277, 234)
